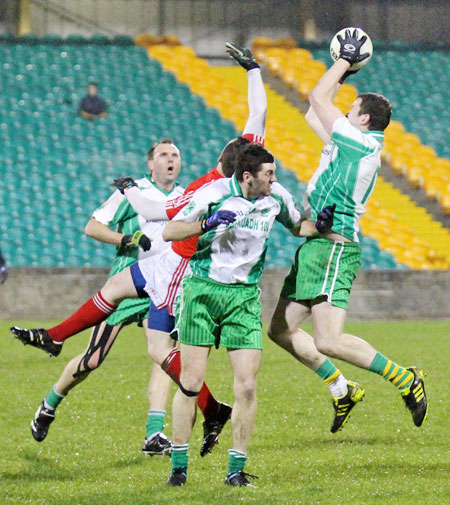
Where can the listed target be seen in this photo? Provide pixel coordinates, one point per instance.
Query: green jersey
(118, 213)
(235, 253)
(346, 176)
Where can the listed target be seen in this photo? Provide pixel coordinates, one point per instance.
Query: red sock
(94, 311)
(206, 401)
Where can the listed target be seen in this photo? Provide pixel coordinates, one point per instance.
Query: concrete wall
(206, 24)
(55, 293)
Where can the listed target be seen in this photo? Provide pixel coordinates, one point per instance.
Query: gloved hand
(123, 183)
(242, 55)
(351, 47)
(219, 217)
(347, 74)
(3, 273)
(137, 239)
(325, 218)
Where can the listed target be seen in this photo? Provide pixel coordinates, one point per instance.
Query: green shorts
(323, 268)
(212, 313)
(131, 310)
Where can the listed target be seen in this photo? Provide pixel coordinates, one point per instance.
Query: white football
(367, 47)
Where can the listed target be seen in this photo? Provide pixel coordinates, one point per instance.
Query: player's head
(227, 157)
(370, 111)
(164, 161)
(92, 89)
(255, 169)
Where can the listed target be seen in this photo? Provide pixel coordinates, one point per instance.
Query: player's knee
(326, 346)
(245, 389)
(191, 383)
(93, 363)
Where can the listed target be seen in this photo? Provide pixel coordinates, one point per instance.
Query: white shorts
(163, 276)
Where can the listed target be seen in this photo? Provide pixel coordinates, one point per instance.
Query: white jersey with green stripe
(118, 213)
(346, 176)
(235, 253)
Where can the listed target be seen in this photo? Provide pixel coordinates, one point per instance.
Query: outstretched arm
(257, 99)
(151, 210)
(315, 123)
(321, 98)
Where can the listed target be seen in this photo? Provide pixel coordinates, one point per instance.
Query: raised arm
(315, 123)
(149, 209)
(257, 99)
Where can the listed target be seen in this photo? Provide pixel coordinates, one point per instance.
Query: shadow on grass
(40, 468)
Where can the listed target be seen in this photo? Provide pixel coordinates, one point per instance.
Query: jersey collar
(234, 186)
(153, 183)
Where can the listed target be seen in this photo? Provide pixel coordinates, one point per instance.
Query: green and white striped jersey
(235, 253)
(118, 213)
(346, 176)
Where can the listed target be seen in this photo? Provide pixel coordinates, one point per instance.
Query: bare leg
(284, 330)
(159, 343)
(93, 360)
(245, 364)
(331, 340)
(193, 369)
(118, 287)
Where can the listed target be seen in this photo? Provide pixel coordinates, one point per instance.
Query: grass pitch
(92, 453)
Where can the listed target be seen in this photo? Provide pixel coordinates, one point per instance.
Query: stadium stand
(58, 165)
(400, 233)
(418, 91)
(288, 136)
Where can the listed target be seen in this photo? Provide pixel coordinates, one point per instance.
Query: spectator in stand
(93, 106)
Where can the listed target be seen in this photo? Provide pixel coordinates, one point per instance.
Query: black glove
(219, 217)
(242, 55)
(351, 47)
(3, 269)
(123, 183)
(137, 239)
(325, 218)
(347, 74)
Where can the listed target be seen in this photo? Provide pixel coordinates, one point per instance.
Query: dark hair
(379, 109)
(156, 144)
(228, 156)
(93, 83)
(250, 158)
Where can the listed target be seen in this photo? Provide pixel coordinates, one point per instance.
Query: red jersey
(187, 247)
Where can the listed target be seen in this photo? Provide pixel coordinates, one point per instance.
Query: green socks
(180, 456)
(327, 372)
(53, 399)
(399, 376)
(236, 461)
(155, 422)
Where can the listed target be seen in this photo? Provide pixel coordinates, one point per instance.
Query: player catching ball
(324, 268)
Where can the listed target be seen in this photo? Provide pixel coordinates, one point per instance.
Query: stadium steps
(293, 142)
(428, 236)
(413, 75)
(399, 182)
(226, 90)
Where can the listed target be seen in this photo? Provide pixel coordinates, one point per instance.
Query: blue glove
(123, 183)
(351, 47)
(325, 218)
(3, 273)
(219, 217)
